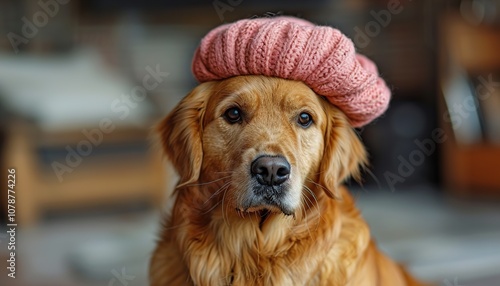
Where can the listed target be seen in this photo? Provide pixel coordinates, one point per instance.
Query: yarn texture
(291, 48)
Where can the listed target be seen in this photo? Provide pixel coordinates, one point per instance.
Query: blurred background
(83, 82)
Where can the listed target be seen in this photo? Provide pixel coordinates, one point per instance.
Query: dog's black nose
(270, 170)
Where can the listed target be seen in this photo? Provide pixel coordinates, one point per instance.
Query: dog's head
(265, 143)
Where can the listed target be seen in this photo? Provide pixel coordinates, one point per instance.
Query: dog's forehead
(264, 90)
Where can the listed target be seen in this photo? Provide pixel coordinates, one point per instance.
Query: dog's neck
(252, 250)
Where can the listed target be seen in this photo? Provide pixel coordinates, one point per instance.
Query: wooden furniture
(123, 168)
(469, 170)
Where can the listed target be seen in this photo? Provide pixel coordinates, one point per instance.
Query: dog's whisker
(223, 172)
(208, 183)
(221, 189)
(306, 219)
(317, 184)
(212, 208)
(217, 192)
(224, 211)
(316, 203)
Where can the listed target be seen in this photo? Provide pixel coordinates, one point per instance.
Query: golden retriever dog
(260, 200)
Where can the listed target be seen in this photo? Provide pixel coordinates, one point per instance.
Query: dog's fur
(213, 235)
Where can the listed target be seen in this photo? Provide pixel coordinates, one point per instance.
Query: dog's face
(266, 143)
(267, 136)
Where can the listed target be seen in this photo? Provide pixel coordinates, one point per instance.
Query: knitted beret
(291, 48)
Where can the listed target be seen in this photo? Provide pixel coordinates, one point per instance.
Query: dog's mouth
(267, 201)
(266, 209)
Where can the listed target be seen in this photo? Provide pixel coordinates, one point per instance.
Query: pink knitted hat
(291, 48)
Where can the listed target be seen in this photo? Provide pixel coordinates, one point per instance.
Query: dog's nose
(271, 170)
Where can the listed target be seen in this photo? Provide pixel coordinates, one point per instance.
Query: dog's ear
(180, 134)
(343, 155)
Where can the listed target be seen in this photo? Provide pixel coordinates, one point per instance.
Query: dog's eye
(233, 115)
(305, 119)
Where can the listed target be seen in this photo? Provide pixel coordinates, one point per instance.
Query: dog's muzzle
(270, 185)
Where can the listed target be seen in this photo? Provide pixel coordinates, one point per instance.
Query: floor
(454, 243)
(439, 239)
